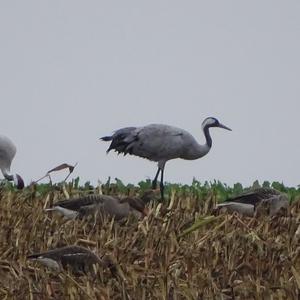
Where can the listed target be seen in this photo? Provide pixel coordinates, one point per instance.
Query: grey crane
(262, 201)
(160, 143)
(7, 154)
(78, 259)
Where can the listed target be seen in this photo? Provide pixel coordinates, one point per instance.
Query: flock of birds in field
(156, 142)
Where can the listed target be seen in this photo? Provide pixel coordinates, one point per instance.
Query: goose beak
(224, 127)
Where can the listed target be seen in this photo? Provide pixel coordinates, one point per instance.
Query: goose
(117, 207)
(160, 143)
(76, 258)
(262, 201)
(7, 153)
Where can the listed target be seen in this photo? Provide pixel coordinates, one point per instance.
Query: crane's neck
(207, 136)
(198, 150)
(17, 179)
(204, 149)
(6, 175)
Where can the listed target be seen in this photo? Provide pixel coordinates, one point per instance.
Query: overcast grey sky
(73, 71)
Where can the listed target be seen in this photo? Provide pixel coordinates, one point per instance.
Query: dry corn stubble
(179, 251)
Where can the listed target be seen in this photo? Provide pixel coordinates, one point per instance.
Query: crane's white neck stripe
(208, 122)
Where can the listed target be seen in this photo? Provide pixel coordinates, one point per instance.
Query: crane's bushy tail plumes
(106, 138)
(121, 140)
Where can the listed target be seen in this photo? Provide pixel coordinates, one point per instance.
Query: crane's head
(19, 182)
(213, 122)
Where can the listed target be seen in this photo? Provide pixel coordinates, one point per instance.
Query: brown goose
(266, 201)
(114, 206)
(75, 258)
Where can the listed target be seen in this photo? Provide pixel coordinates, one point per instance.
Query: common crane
(262, 201)
(7, 154)
(160, 143)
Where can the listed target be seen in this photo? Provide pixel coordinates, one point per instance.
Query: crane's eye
(213, 122)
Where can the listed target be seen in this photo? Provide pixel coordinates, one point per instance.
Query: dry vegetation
(172, 254)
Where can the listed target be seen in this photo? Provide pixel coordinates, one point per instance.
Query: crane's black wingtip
(106, 138)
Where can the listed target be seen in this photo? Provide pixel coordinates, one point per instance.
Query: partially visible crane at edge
(7, 154)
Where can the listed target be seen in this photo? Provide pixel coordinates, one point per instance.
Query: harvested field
(180, 251)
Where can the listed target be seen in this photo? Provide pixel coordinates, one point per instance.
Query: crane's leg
(161, 185)
(154, 182)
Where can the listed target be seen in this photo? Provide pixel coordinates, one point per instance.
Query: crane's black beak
(224, 127)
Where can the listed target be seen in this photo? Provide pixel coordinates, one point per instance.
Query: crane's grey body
(117, 207)
(160, 143)
(78, 259)
(262, 201)
(7, 153)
